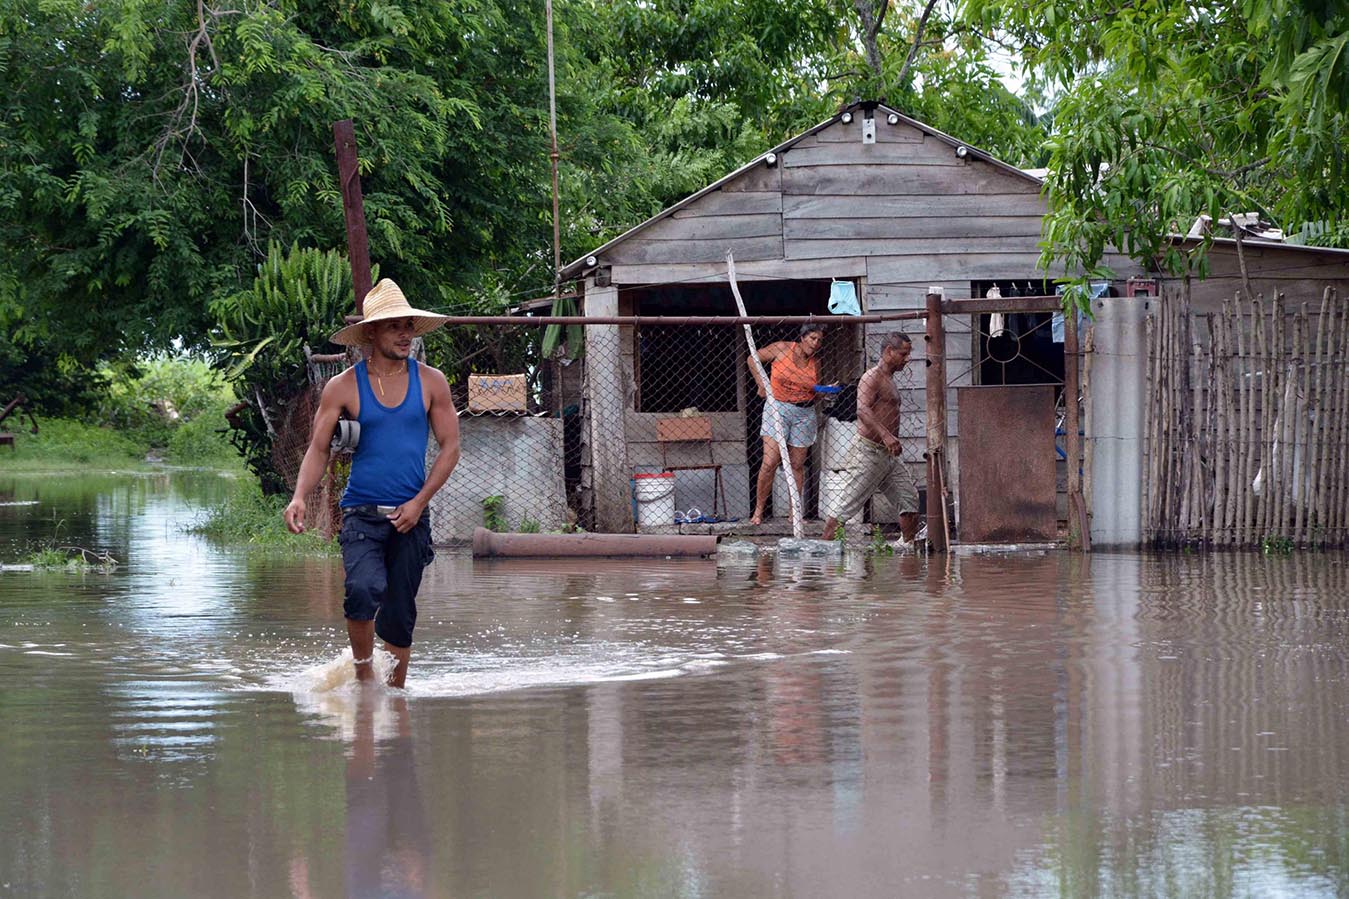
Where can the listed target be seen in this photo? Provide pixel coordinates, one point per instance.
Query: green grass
(47, 558)
(247, 518)
(1277, 545)
(67, 445)
(63, 445)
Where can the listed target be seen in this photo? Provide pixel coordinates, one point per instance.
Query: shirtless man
(386, 528)
(874, 460)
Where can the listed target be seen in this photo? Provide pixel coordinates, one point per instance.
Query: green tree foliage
(711, 83)
(294, 302)
(168, 403)
(150, 152)
(1168, 110)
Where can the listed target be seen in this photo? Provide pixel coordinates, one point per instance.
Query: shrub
(298, 298)
(174, 403)
(248, 516)
(493, 513)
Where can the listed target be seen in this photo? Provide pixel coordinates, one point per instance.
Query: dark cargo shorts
(384, 571)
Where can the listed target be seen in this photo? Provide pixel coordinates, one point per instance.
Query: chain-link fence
(288, 419)
(632, 423)
(649, 424)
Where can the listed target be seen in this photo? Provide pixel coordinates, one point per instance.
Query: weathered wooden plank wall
(1296, 273)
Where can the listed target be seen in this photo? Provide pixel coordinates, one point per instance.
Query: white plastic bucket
(655, 498)
(833, 485)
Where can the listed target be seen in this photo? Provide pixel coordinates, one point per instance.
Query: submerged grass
(69, 558)
(248, 518)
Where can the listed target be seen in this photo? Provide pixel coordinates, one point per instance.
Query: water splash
(339, 674)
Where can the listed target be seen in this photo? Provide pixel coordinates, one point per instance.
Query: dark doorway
(678, 366)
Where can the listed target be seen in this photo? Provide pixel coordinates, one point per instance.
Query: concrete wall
(1115, 428)
(606, 470)
(516, 457)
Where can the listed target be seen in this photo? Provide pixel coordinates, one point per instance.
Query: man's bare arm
(444, 421)
(316, 455)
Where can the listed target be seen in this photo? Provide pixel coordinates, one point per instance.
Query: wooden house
(876, 198)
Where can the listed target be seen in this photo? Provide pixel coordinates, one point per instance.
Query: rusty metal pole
(935, 390)
(554, 369)
(353, 207)
(358, 254)
(1079, 535)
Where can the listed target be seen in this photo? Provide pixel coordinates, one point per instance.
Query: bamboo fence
(1248, 423)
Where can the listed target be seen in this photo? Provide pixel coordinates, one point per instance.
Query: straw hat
(383, 302)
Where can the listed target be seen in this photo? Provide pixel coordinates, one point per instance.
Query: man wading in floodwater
(386, 528)
(874, 463)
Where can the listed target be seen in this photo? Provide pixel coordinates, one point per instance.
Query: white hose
(770, 406)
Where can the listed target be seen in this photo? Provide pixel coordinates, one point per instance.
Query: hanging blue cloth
(843, 298)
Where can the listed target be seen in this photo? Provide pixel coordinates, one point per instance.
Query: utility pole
(553, 155)
(353, 207)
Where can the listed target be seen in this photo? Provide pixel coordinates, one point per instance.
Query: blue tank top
(389, 465)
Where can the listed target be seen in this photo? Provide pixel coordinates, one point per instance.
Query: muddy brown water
(1049, 725)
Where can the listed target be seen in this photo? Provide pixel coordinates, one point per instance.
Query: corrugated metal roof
(1255, 243)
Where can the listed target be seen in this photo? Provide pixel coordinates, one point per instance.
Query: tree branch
(871, 26)
(900, 79)
(190, 105)
(1239, 170)
(880, 19)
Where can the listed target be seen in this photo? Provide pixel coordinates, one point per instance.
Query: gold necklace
(380, 380)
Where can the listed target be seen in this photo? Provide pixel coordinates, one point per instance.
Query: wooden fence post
(935, 390)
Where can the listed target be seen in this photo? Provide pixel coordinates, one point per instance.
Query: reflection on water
(1119, 725)
(388, 845)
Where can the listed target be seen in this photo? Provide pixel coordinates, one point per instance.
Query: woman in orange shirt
(793, 377)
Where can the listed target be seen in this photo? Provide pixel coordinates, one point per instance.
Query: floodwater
(1048, 725)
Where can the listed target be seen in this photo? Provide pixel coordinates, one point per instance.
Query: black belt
(806, 405)
(371, 510)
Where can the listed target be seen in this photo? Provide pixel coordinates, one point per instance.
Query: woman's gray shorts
(384, 571)
(798, 423)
